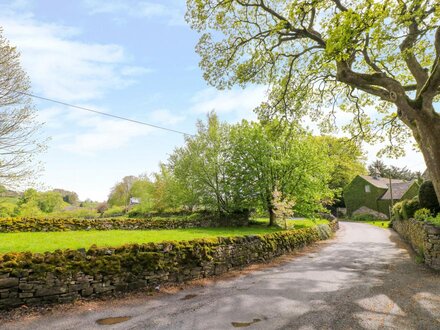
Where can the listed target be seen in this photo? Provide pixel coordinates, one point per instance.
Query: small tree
(283, 208)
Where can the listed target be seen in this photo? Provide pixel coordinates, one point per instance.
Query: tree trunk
(272, 217)
(426, 131)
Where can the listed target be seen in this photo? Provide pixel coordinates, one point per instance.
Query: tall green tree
(317, 56)
(276, 157)
(201, 165)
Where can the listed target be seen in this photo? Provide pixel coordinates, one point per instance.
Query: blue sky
(129, 58)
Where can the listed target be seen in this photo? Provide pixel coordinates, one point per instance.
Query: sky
(129, 58)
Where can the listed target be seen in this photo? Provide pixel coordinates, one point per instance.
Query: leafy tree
(393, 172)
(143, 189)
(70, 197)
(49, 201)
(317, 56)
(120, 193)
(201, 165)
(347, 159)
(34, 203)
(19, 141)
(168, 194)
(278, 157)
(283, 208)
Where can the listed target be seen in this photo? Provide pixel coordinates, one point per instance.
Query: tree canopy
(378, 61)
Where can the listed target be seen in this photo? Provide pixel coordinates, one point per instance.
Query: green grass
(297, 224)
(50, 241)
(379, 223)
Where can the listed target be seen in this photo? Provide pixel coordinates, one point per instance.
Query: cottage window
(367, 188)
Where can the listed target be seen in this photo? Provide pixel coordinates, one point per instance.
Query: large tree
(201, 165)
(19, 141)
(274, 162)
(317, 56)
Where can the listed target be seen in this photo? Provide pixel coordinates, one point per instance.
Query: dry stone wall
(66, 275)
(423, 237)
(196, 220)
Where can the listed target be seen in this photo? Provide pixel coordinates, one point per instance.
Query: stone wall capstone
(423, 237)
(66, 275)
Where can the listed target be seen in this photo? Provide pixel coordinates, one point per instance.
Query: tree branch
(411, 61)
(339, 5)
(432, 85)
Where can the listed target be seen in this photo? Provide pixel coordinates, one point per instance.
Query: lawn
(379, 223)
(50, 241)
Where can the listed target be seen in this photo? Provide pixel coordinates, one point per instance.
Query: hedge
(66, 275)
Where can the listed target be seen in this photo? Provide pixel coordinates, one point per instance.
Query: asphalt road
(363, 279)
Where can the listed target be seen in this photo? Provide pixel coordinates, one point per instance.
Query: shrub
(409, 207)
(422, 214)
(114, 211)
(397, 211)
(7, 209)
(434, 220)
(101, 208)
(428, 198)
(363, 217)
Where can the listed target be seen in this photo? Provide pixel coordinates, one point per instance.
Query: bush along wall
(63, 276)
(423, 237)
(195, 220)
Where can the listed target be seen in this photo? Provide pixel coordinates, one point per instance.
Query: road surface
(362, 279)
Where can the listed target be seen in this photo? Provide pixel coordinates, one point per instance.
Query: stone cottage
(372, 194)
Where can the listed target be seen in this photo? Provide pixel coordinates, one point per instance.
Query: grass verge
(379, 223)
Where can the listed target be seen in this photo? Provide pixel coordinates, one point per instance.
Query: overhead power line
(102, 113)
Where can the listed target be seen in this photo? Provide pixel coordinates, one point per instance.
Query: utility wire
(102, 113)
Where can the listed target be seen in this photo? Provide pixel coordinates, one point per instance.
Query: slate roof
(399, 189)
(380, 182)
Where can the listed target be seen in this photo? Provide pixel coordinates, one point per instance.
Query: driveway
(363, 279)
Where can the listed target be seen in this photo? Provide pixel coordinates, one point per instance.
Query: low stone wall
(8, 225)
(423, 237)
(63, 276)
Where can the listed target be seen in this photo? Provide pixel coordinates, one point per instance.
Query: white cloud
(165, 117)
(238, 102)
(64, 68)
(172, 14)
(103, 135)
